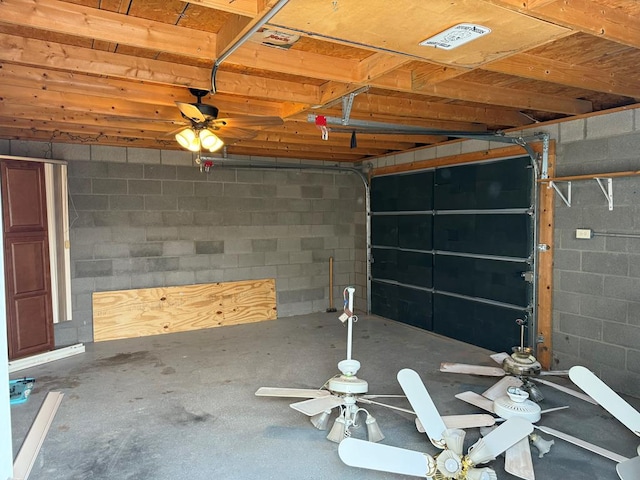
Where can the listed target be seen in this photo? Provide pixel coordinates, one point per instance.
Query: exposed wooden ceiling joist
(73, 71)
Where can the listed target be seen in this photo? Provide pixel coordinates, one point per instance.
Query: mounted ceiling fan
(451, 462)
(348, 392)
(205, 131)
(522, 365)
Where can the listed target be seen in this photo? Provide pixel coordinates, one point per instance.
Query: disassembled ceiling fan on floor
(451, 462)
(347, 392)
(522, 365)
(628, 469)
(205, 131)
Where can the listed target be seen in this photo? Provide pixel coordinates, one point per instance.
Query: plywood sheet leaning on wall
(153, 311)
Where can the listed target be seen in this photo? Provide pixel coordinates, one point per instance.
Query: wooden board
(153, 311)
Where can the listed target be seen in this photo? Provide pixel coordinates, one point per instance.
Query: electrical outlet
(585, 233)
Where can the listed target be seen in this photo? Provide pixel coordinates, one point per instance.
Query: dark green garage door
(452, 248)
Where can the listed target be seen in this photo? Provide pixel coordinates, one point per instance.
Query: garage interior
(457, 187)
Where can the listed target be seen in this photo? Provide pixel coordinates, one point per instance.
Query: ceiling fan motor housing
(521, 362)
(344, 384)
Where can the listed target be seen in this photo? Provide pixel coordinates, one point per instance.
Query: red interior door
(26, 257)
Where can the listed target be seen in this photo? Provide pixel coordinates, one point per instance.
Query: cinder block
(177, 157)
(192, 204)
(264, 245)
(70, 151)
(163, 264)
(93, 268)
(176, 248)
(603, 308)
(209, 247)
(146, 219)
(193, 263)
(578, 282)
(276, 258)
(209, 276)
(143, 155)
(124, 171)
(623, 288)
(177, 187)
(177, 218)
(579, 326)
(128, 234)
(65, 334)
(312, 243)
(160, 172)
(566, 302)
(126, 202)
(622, 381)
(602, 353)
(622, 334)
(110, 250)
(22, 148)
(160, 202)
(147, 280)
(149, 249)
(103, 153)
(89, 236)
(633, 361)
(107, 284)
(633, 314)
(572, 131)
(567, 344)
(91, 202)
(5, 146)
(249, 176)
(239, 245)
(605, 262)
(576, 153)
(601, 126)
(194, 233)
(180, 278)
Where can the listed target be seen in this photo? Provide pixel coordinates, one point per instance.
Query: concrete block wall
(147, 218)
(596, 292)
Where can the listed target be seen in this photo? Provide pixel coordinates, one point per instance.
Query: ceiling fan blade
(499, 440)
(384, 458)
(605, 396)
(175, 130)
(566, 390)
(518, 462)
(423, 405)
(499, 357)
(629, 469)
(248, 121)
(476, 400)
(291, 392)
(468, 421)
(234, 132)
(315, 406)
(463, 421)
(191, 112)
(581, 443)
(499, 389)
(472, 369)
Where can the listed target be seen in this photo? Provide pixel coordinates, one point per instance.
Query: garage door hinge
(528, 276)
(540, 339)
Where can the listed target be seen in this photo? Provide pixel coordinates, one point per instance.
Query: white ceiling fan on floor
(628, 469)
(522, 365)
(451, 462)
(347, 392)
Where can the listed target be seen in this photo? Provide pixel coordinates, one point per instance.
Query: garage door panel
(415, 231)
(488, 326)
(495, 280)
(505, 184)
(415, 268)
(384, 300)
(385, 263)
(487, 234)
(384, 230)
(415, 307)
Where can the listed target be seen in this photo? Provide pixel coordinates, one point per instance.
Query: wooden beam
(29, 51)
(594, 17)
(78, 20)
(584, 77)
(546, 211)
(507, 97)
(248, 8)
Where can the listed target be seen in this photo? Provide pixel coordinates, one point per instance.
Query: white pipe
(350, 292)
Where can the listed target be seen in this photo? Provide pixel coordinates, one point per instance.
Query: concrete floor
(182, 405)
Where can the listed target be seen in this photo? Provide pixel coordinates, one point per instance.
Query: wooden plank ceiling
(109, 72)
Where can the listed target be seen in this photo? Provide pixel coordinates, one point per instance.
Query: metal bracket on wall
(566, 199)
(608, 193)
